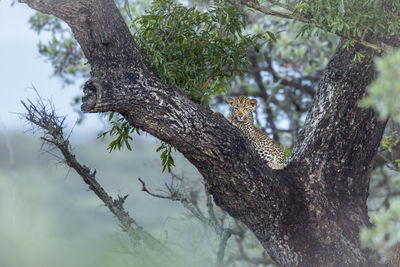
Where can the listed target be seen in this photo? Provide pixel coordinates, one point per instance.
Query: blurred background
(50, 218)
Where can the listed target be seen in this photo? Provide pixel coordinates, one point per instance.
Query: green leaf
(271, 35)
(300, 7)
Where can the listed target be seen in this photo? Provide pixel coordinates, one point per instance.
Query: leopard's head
(241, 107)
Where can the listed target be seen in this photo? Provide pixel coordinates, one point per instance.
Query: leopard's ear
(253, 103)
(230, 100)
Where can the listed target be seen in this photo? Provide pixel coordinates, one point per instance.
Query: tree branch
(379, 48)
(191, 204)
(52, 127)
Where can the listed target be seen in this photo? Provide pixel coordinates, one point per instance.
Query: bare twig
(128, 10)
(144, 189)
(210, 208)
(43, 118)
(174, 193)
(191, 204)
(296, 83)
(225, 235)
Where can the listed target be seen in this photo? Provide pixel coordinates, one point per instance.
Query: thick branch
(337, 130)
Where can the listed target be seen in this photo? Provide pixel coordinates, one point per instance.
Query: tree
(306, 215)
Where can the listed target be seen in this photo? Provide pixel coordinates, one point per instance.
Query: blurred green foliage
(385, 232)
(384, 93)
(391, 141)
(300, 57)
(384, 97)
(352, 19)
(286, 151)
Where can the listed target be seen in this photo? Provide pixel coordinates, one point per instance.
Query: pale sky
(21, 66)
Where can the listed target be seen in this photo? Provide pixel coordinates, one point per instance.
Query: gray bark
(306, 215)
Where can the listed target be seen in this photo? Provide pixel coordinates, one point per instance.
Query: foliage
(383, 96)
(384, 92)
(166, 159)
(391, 143)
(286, 151)
(296, 57)
(122, 129)
(385, 232)
(352, 19)
(193, 50)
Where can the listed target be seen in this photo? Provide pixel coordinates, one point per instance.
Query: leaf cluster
(120, 128)
(166, 156)
(194, 50)
(391, 143)
(353, 19)
(123, 131)
(384, 93)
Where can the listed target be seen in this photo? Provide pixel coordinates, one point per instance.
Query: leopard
(241, 116)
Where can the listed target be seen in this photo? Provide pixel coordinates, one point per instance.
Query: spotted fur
(241, 115)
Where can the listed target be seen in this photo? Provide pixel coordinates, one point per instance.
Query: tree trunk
(306, 215)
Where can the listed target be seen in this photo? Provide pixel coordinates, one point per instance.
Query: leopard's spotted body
(241, 115)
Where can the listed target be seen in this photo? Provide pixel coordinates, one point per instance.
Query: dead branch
(41, 115)
(217, 224)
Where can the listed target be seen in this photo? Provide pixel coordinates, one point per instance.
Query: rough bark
(306, 215)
